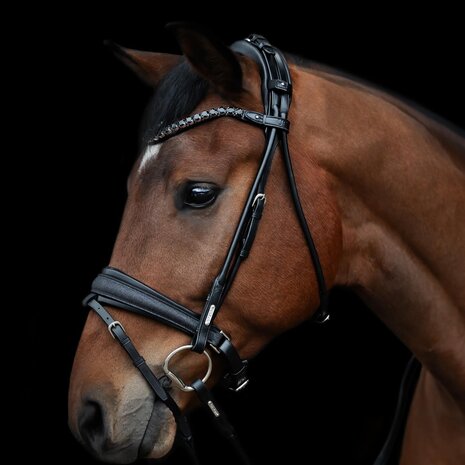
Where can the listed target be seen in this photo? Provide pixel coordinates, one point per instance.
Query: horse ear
(149, 66)
(208, 56)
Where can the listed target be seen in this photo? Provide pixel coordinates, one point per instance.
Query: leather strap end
(266, 120)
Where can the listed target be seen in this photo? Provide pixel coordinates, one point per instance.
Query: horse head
(185, 197)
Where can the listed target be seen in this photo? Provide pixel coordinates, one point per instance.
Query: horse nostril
(92, 424)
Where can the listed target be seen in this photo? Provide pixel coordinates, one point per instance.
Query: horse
(382, 185)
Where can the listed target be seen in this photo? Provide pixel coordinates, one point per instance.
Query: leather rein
(117, 289)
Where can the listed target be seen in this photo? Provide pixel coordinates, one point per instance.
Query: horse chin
(160, 433)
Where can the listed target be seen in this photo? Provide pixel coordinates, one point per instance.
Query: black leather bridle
(115, 288)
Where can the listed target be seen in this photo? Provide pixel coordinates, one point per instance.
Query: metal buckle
(242, 386)
(112, 325)
(225, 336)
(257, 198)
(175, 378)
(231, 380)
(325, 319)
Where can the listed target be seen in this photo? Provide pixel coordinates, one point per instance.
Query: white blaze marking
(150, 154)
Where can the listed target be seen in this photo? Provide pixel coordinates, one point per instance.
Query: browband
(247, 116)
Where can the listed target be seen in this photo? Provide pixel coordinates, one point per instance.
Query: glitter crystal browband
(248, 116)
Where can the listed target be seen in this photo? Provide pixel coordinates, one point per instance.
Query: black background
(77, 181)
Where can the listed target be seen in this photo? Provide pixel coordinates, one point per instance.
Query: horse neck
(399, 183)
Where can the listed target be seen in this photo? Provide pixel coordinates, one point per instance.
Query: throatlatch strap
(322, 314)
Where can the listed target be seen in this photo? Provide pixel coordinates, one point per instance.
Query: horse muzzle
(121, 427)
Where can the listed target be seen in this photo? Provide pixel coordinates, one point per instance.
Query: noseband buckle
(112, 325)
(175, 378)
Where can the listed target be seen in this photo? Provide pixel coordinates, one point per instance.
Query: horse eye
(199, 195)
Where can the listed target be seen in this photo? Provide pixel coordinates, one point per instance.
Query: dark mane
(177, 95)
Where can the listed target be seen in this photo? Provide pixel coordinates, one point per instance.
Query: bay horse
(383, 188)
